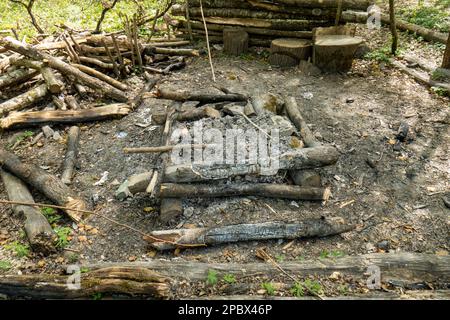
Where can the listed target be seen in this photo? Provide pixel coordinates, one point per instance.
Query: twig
(207, 42)
(43, 205)
(254, 124)
(113, 61)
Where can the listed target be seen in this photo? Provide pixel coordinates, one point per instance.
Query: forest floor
(395, 191)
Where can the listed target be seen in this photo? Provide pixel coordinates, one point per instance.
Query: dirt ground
(394, 193)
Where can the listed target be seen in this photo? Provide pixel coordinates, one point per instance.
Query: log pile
(262, 20)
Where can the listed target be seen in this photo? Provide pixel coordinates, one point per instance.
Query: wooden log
(17, 76)
(335, 52)
(196, 26)
(97, 62)
(54, 85)
(255, 42)
(247, 232)
(307, 158)
(266, 103)
(161, 148)
(198, 113)
(47, 184)
(24, 100)
(409, 266)
(109, 281)
(39, 232)
(64, 68)
(235, 41)
(279, 4)
(288, 52)
(446, 59)
(71, 155)
(170, 190)
(277, 24)
(72, 102)
(99, 75)
(170, 209)
(149, 50)
(169, 94)
(70, 116)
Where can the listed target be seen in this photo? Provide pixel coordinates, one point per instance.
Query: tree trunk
(235, 41)
(446, 60)
(54, 85)
(47, 184)
(69, 116)
(99, 75)
(64, 68)
(246, 232)
(71, 155)
(335, 52)
(108, 281)
(39, 232)
(24, 100)
(299, 159)
(203, 98)
(169, 190)
(278, 24)
(393, 27)
(171, 52)
(289, 52)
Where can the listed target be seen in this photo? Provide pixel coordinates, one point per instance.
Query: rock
(306, 178)
(362, 51)
(57, 136)
(349, 100)
(249, 111)
(446, 201)
(403, 131)
(48, 132)
(284, 125)
(123, 192)
(384, 245)
(139, 182)
(189, 105)
(234, 110)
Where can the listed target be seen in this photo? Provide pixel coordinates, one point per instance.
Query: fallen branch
(99, 75)
(24, 100)
(248, 232)
(71, 155)
(202, 98)
(17, 76)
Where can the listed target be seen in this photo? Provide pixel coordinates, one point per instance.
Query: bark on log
(252, 31)
(161, 149)
(446, 59)
(170, 209)
(235, 41)
(335, 52)
(99, 75)
(72, 102)
(413, 267)
(149, 50)
(170, 190)
(47, 184)
(71, 155)
(24, 100)
(97, 62)
(64, 68)
(203, 98)
(255, 42)
(17, 76)
(277, 24)
(289, 52)
(108, 281)
(307, 158)
(247, 232)
(69, 116)
(54, 85)
(39, 232)
(279, 4)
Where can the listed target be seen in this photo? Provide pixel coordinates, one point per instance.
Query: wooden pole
(446, 60)
(393, 26)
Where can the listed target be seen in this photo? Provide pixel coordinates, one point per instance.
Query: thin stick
(43, 205)
(71, 50)
(113, 61)
(163, 148)
(188, 20)
(119, 55)
(136, 42)
(254, 124)
(153, 26)
(207, 42)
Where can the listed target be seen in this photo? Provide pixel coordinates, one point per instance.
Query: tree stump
(289, 52)
(235, 41)
(335, 52)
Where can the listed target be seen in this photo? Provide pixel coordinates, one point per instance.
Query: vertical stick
(338, 13)
(113, 61)
(154, 25)
(130, 40)
(119, 55)
(446, 60)
(188, 19)
(207, 42)
(136, 42)
(393, 25)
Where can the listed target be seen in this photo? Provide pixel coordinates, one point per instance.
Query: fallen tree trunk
(148, 50)
(413, 267)
(108, 281)
(307, 158)
(71, 155)
(17, 76)
(161, 149)
(39, 232)
(24, 100)
(277, 24)
(99, 75)
(198, 113)
(47, 184)
(170, 190)
(68, 116)
(64, 68)
(97, 62)
(202, 98)
(246, 232)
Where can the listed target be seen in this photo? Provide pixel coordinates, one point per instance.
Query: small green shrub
(211, 279)
(5, 265)
(229, 278)
(51, 215)
(20, 249)
(331, 254)
(297, 290)
(270, 289)
(63, 236)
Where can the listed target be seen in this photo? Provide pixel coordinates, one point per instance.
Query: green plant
(73, 257)
(431, 17)
(379, 55)
(84, 269)
(297, 290)
(313, 287)
(51, 215)
(438, 75)
(229, 278)
(211, 279)
(5, 265)
(331, 254)
(280, 258)
(63, 236)
(440, 91)
(20, 249)
(270, 289)
(343, 289)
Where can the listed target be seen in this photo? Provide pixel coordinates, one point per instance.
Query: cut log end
(288, 52)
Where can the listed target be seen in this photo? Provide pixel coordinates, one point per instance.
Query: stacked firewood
(263, 20)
